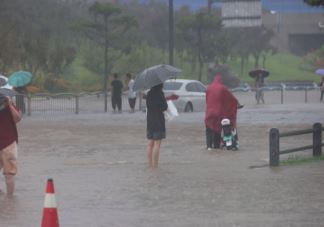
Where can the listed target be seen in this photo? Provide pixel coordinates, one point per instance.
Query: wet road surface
(101, 178)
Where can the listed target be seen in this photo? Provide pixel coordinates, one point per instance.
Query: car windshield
(172, 86)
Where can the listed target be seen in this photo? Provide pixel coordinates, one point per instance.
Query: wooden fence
(274, 142)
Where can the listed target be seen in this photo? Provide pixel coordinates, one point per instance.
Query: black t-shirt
(117, 87)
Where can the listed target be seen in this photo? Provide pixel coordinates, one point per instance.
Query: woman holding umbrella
(156, 104)
(18, 81)
(259, 75)
(321, 85)
(320, 72)
(155, 131)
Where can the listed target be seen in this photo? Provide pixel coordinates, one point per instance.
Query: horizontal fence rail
(281, 96)
(274, 142)
(94, 102)
(73, 103)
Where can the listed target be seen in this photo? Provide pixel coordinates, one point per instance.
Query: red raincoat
(220, 104)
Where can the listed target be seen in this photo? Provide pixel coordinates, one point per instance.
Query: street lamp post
(278, 19)
(171, 31)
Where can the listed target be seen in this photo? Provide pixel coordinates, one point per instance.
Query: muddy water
(100, 175)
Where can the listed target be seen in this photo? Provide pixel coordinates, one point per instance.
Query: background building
(298, 27)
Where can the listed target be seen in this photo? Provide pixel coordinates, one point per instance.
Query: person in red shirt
(220, 104)
(9, 115)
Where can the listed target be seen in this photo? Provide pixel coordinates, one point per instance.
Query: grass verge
(299, 159)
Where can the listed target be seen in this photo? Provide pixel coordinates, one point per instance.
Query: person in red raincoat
(220, 104)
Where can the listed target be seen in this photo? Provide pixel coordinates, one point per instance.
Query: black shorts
(155, 135)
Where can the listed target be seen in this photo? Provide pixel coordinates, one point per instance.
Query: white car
(187, 95)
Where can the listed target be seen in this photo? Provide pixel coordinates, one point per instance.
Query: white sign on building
(241, 13)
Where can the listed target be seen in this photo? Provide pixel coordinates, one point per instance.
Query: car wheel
(188, 108)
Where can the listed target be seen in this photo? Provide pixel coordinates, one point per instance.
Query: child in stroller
(229, 137)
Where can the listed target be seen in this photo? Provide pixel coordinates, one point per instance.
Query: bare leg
(10, 183)
(257, 96)
(150, 145)
(262, 96)
(156, 153)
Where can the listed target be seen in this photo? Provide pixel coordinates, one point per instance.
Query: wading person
(155, 129)
(131, 93)
(20, 98)
(259, 84)
(116, 93)
(321, 86)
(220, 104)
(9, 116)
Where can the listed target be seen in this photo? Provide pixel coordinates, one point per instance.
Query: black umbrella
(258, 72)
(155, 75)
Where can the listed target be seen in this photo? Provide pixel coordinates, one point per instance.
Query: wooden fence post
(274, 147)
(76, 104)
(317, 139)
(28, 104)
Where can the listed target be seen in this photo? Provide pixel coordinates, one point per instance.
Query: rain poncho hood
(220, 104)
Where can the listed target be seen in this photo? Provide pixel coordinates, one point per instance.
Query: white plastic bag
(171, 112)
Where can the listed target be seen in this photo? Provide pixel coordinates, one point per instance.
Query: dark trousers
(132, 102)
(322, 93)
(116, 101)
(20, 103)
(213, 139)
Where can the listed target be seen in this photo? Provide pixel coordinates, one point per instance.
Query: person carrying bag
(9, 116)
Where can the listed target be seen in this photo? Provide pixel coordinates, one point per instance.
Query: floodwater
(98, 163)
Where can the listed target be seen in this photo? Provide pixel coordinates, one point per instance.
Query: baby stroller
(229, 138)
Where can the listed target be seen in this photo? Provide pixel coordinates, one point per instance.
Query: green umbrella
(19, 79)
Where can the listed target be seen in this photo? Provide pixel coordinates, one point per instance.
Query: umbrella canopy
(19, 79)
(155, 75)
(258, 72)
(320, 72)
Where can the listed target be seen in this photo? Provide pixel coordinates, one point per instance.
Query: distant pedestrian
(220, 104)
(131, 93)
(20, 98)
(321, 85)
(116, 93)
(259, 84)
(9, 116)
(155, 131)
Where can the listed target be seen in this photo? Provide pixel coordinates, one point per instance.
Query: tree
(315, 2)
(201, 33)
(315, 59)
(107, 28)
(253, 41)
(32, 32)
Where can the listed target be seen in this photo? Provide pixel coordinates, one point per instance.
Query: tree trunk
(256, 64)
(242, 64)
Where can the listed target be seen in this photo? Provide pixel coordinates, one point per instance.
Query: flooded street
(98, 163)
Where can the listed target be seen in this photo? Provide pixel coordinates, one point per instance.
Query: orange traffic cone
(50, 216)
